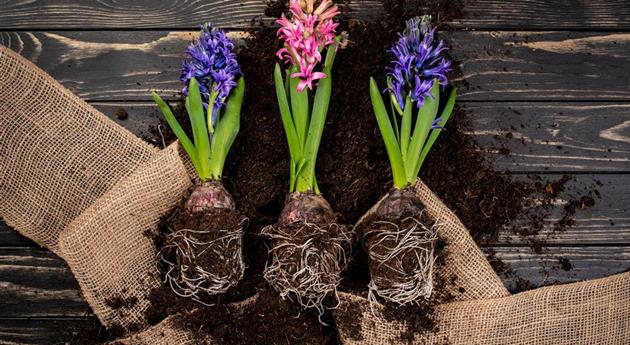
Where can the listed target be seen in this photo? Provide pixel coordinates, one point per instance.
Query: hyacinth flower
(203, 251)
(308, 246)
(397, 234)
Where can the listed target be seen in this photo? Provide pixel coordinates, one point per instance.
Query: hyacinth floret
(305, 35)
(418, 61)
(213, 63)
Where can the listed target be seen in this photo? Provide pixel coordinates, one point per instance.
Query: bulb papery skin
(306, 208)
(207, 196)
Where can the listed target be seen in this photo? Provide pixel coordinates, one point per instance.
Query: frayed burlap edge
(584, 313)
(475, 278)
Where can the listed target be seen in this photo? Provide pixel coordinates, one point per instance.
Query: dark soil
(267, 320)
(121, 114)
(421, 318)
(353, 174)
(166, 302)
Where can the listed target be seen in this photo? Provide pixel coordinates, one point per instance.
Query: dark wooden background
(554, 73)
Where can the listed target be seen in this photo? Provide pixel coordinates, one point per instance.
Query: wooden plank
(525, 66)
(604, 223)
(11, 238)
(149, 14)
(106, 65)
(119, 65)
(561, 264)
(607, 222)
(547, 15)
(48, 331)
(36, 283)
(554, 136)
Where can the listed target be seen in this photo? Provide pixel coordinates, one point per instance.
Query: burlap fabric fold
(166, 332)
(106, 247)
(584, 313)
(464, 260)
(57, 153)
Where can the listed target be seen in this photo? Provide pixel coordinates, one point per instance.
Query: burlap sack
(106, 247)
(164, 333)
(57, 153)
(475, 277)
(585, 313)
(77, 183)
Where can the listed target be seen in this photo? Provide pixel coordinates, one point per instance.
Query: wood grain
(518, 66)
(553, 136)
(36, 283)
(39, 285)
(546, 15)
(184, 14)
(547, 268)
(47, 331)
(526, 66)
(607, 222)
(149, 14)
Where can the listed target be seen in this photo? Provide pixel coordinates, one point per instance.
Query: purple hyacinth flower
(418, 61)
(213, 63)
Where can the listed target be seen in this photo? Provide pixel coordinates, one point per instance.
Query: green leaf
(395, 104)
(394, 120)
(446, 114)
(426, 116)
(285, 113)
(196, 114)
(393, 150)
(188, 146)
(299, 108)
(227, 129)
(331, 52)
(305, 181)
(405, 133)
(213, 98)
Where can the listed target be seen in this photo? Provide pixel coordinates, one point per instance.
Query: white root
(402, 250)
(306, 265)
(189, 280)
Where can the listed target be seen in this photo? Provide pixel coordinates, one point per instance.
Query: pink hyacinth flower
(307, 76)
(305, 35)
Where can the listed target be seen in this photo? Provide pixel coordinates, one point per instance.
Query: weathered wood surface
(57, 331)
(526, 66)
(184, 14)
(39, 285)
(551, 137)
(547, 268)
(36, 283)
(605, 223)
(149, 14)
(546, 15)
(517, 136)
(497, 66)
